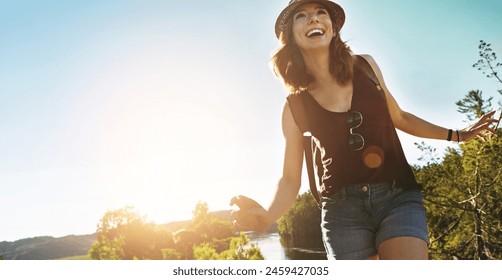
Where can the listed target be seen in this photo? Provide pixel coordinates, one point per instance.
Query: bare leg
(403, 248)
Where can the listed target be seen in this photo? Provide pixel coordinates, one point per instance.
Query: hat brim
(335, 10)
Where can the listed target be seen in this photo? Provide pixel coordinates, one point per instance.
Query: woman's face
(312, 27)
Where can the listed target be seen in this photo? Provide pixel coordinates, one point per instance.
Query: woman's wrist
(266, 221)
(454, 135)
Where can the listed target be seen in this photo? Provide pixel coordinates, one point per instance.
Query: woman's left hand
(480, 129)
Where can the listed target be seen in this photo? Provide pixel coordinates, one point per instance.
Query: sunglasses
(354, 120)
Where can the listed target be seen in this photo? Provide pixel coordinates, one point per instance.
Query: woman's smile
(316, 32)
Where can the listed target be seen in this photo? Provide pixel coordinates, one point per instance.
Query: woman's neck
(317, 65)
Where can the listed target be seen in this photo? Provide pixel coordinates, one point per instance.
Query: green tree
(239, 249)
(205, 251)
(209, 237)
(487, 62)
(300, 227)
(462, 191)
(201, 212)
(124, 234)
(473, 105)
(170, 254)
(208, 226)
(107, 249)
(461, 196)
(185, 239)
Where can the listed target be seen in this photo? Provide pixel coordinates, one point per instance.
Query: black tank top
(380, 160)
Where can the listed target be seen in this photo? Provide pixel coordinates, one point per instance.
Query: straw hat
(335, 11)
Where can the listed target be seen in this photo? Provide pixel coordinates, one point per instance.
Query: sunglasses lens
(356, 142)
(354, 119)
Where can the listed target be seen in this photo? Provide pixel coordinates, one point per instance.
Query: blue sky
(161, 104)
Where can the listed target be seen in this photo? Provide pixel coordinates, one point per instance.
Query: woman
(372, 206)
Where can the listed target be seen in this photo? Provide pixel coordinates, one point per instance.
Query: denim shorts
(357, 218)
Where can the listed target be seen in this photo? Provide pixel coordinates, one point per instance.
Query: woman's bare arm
(416, 126)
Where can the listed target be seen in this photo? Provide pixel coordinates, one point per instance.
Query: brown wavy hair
(289, 65)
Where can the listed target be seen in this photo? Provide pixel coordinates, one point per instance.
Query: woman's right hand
(251, 215)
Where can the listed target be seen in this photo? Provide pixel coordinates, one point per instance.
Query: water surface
(272, 248)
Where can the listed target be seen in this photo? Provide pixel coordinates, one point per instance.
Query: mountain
(47, 247)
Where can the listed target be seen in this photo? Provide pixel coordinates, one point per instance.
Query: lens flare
(373, 157)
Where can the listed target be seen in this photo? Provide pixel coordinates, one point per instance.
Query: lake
(272, 249)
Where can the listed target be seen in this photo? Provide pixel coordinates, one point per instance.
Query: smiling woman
(69, 148)
(341, 117)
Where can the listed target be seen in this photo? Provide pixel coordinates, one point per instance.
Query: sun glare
(159, 145)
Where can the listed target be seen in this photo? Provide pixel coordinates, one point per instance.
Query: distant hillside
(50, 248)
(46, 247)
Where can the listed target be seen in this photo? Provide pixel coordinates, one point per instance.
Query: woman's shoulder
(367, 57)
(370, 60)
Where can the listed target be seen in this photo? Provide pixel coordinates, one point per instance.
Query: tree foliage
(462, 192)
(300, 227)
(462, 196)
(239, 248)
(487, 62)
(206, 228)
(124, 234)
(473, 105)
